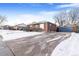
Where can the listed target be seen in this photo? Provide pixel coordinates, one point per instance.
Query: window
(36, 26)
(42, 26)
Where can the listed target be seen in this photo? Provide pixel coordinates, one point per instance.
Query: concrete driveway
(37, 45)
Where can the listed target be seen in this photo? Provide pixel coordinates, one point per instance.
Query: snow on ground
(10, 34)
(68, 47)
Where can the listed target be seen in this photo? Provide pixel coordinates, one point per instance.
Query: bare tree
(71, 17)
(60, 18)
(2, 19)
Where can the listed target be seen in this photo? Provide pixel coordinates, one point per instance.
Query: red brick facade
(50, 27)
(47, 27)
(74, 28)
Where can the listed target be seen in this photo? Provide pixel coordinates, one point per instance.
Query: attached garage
(69, 28)
(65, 29)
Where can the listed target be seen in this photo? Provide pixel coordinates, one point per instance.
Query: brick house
(42, 26)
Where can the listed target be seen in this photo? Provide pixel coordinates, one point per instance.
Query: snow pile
(68, 47)
(9, 34)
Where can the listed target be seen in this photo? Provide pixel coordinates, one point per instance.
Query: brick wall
(74, 28)
(49, 27)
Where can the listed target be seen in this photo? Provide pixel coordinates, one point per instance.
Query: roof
(22, 24)
(41, 22)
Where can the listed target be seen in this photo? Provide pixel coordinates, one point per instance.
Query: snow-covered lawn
(12, 34)
(68, 47)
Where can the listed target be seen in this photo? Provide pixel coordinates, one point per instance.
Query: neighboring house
(1, 27)
(21, 26)
(75, 28)
(78, 27)
(42, 26)
(5, 27)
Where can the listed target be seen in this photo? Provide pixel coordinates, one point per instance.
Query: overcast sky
(26, 13)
